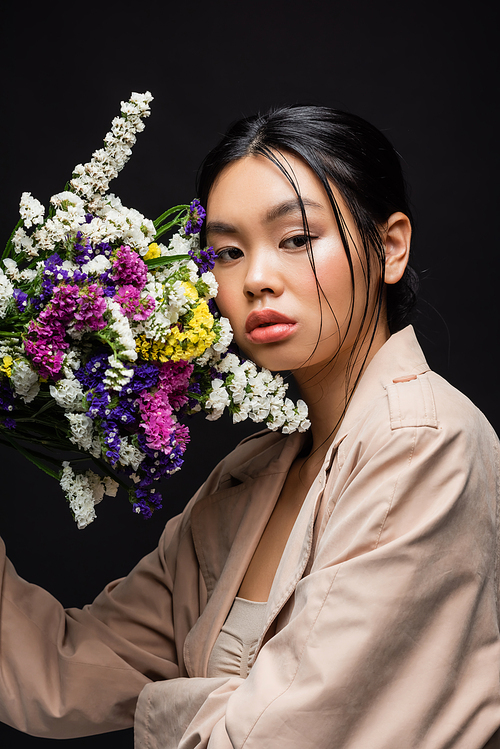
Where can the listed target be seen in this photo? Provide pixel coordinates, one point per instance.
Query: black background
(425, 73)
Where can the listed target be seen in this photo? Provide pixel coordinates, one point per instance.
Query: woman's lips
(268, 326)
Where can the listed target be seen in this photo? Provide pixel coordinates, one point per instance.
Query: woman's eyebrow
(274, 213)
(219, 227)
(290, 206)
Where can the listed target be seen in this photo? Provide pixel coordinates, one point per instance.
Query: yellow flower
(188, 343)
(190, 290)
(153, 251)
(6, 365)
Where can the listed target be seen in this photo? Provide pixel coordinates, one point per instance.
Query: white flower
(68, 393)
(68, 200)
(96, 448)
(179, 245)
(83, 491)
(93, 178)
(110, 486)
(25, 380)
(217, 400)
(209, 278)
(225, 335)
(130, 455)
(117, 375)
(6, 289)
(79, 494)
(11, 269)
(23, 243)
(97, 265)
(121, 328)
(71, 363)
(31, 210)
(81, 430)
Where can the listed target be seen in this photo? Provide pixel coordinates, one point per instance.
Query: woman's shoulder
(401, 393)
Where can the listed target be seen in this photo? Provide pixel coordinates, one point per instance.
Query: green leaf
(156, 262)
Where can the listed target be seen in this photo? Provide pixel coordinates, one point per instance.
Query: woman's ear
(397, 246)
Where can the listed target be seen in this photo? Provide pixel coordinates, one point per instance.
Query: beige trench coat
(382, 622)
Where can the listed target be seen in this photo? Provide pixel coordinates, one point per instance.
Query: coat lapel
(299, 548)
(227, 526)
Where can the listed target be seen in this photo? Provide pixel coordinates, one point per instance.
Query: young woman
(336, 589)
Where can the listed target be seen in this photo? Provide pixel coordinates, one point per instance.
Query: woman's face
(267, 287)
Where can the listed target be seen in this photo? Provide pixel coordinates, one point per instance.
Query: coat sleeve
(79, 672)
(392, 638)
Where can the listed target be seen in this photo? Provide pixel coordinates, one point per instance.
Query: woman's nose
(262, 276)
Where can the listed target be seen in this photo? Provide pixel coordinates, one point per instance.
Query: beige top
(382, 624)
(235, 646)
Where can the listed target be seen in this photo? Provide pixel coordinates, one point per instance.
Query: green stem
(166, 227)
(105, 468)
(31, 456)
(9, 245)
(157, 222)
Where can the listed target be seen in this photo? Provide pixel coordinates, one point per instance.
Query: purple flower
(83, 252)
(141, 507)
(98, 401)
(196, 217)
(104, 248)
(126, 412)
(145, 377)
(91, 374)
(204, 259)
(174, 380)
(159, 463)
(213, 309)
(21, 299)
(156, 419)
(109, 287)
(47, 359)
(112, 441)
(6, 398)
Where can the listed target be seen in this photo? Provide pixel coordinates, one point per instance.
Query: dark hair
(345, 150)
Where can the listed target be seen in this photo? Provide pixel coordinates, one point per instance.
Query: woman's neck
(328, 388)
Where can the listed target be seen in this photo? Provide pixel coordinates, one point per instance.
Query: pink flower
(135, 308)
(63, 303)
(47, 359)
(91, 308)
(156, 422)
(174, 380)
(129, 267)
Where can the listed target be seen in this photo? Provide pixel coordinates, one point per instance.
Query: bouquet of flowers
(110, 339)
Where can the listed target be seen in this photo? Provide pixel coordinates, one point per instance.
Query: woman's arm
(79, 672)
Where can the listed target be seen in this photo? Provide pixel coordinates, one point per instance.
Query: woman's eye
(296, 243)
(228, 254)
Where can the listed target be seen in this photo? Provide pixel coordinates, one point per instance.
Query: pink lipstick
(268, 326)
